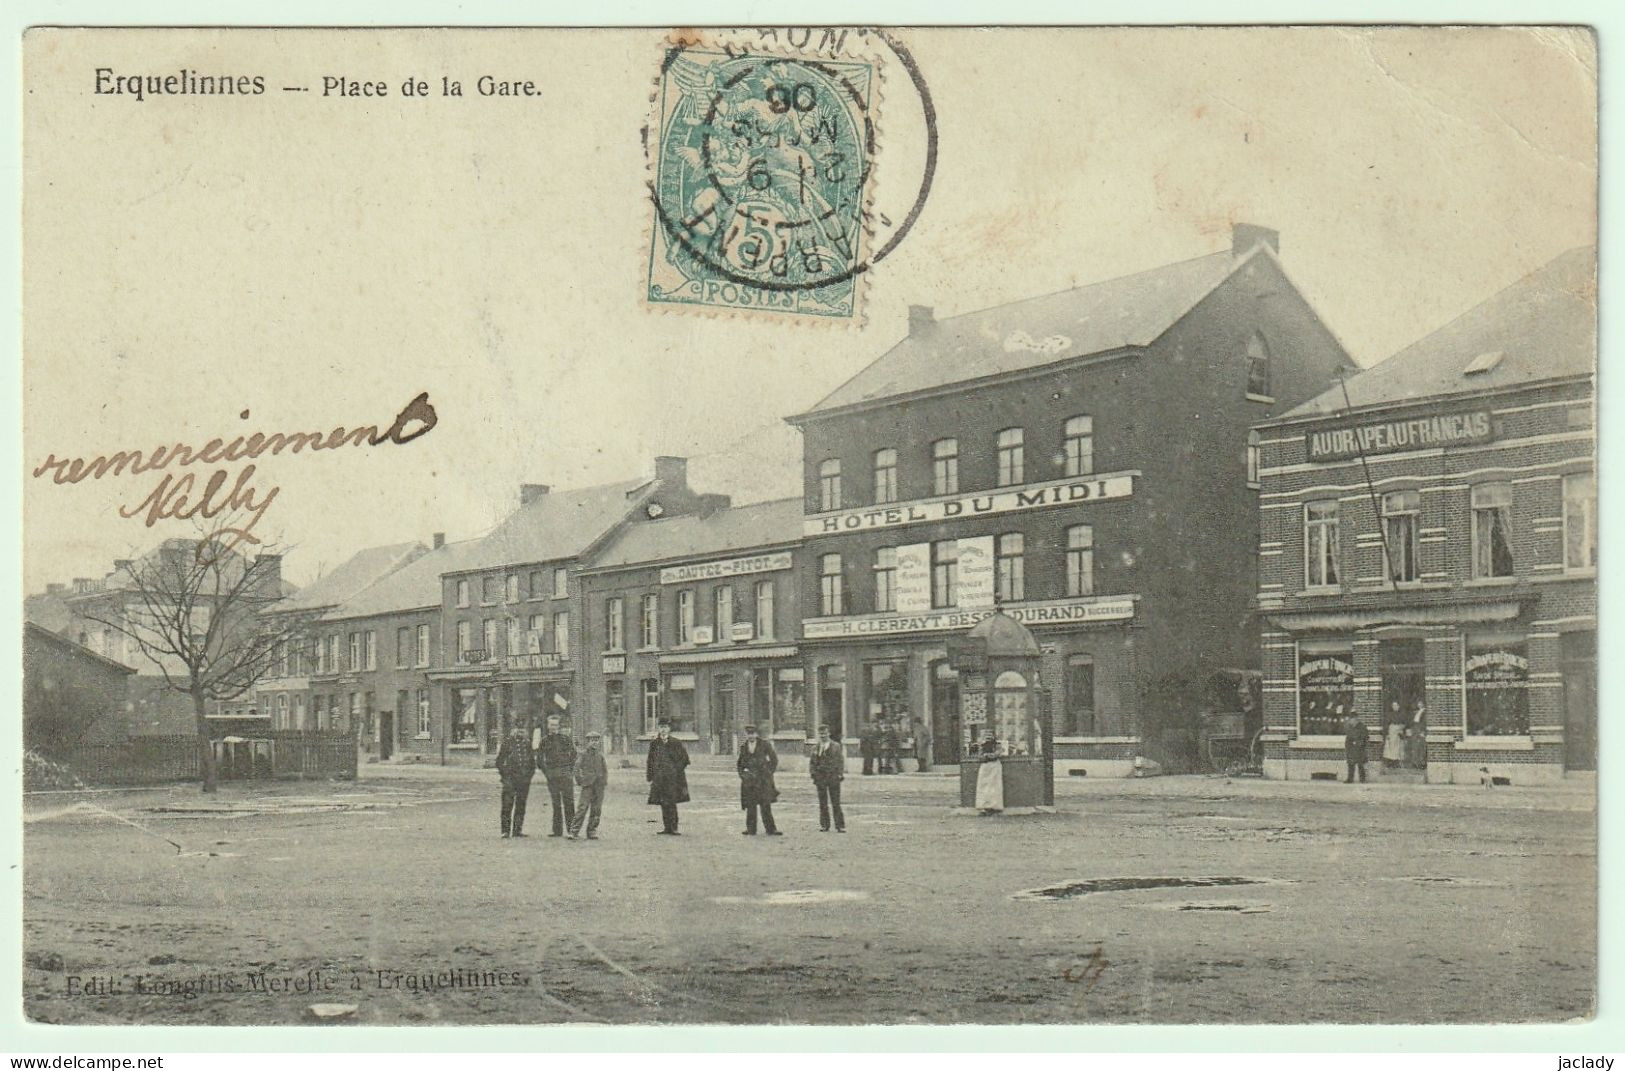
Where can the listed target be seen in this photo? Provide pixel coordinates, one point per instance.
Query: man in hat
(664, 770)
(828, 769)
(1356, 737)
(757, 761)
(592, 774)
(516, 765)
(557, 758)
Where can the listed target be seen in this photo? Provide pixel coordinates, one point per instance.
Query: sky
(318, 261)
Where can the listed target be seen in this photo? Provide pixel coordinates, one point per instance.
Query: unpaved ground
(1403, 906)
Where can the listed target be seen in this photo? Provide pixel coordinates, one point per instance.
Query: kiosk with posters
(1008, 745)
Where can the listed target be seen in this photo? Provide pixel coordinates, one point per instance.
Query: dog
(1484, 777)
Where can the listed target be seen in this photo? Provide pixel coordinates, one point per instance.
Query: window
(358, 720)
(462, 593)
(885, 476)
(944, 573)
(1012, 456)
(281, 718)
(355, 651)
(538, 625)
(537, 587)
(615, 709)
(829, 585)
(764, 610)
(680, 702)
(724, 619)
(1080, 560)
(513, 587)
(490, 589)
(333, 665)
(651, 705)
(424, 722)
(1580, 521)
(561, 584)
(1253, 458)
(1078, 446)
(1080, 695)
(761, 700)
(945, 467)
(1321, 544)
(1492, 530)
(1400, 513)
(1496, 676)
(829, 484)
(561, 634)
(651, 622)
(465, 639)
(316, 711)
(1258, 367)
(516, 643)
(685, 617)
(1012, 567)
(1325, 686)
(885, 695)
(885, 579)
(321, 655)
(489, 635)
(614, 613)
(403, 648)
(372, 649)
(423, 645)
(465, 724)
(789, 701)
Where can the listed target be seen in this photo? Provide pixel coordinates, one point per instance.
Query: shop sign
(614, 663)
(1497, 669)
(913, 593)
(1387, 437)
(535, 660)
(1067, 492)
(1325, 692)
(976, 573)
(1061, 611)
(742, 632)
(758, 563)
(701, 634)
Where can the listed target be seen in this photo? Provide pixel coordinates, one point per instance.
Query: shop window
(885, 695)
(945, 467)
(885, 579)
(613, 623)
(764, 610)
(1012, 567)
(1258, 367)
(1580, 521)
(944, 573)
(1496, 676)
(885, 476)
(790, 701)
(723, 598)
(1492, 530)
(761, 700)
(651, 706)
(1321, 543)
(1080, 695)
(831, 601)
(1012, 456)
(1325, 687)
(685, 618)
(650, 625)
(829, 484)
(680, 702)
(1078, 446)
(1401, 514)
(1080, 561)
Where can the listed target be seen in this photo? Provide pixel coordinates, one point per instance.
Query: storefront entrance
(944, 714)
(1403, 670)
(723, 723)
(1579, 669)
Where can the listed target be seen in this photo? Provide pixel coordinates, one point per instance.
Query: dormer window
(1484, 362)
(1258, 368)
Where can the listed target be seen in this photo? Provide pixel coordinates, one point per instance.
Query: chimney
(672, 471)
(270, 566)
(1244, 236)
(711, 505)
(530, 492)
(920, 317)
(55, 589)
(439, 540)
(121, 564)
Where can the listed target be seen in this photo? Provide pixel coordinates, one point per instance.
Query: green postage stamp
(762, 170)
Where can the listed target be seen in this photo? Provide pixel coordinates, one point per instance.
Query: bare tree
(206, 616)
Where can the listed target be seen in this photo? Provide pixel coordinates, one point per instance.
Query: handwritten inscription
(177, 497)
(1087, 973)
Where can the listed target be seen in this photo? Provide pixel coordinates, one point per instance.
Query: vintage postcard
(809, 525)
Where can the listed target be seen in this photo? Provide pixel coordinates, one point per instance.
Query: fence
(145, 760)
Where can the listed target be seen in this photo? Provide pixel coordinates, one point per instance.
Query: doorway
(944, 714)
(386, 735)
(1578, 666)
(1402, 669)
(722, 715)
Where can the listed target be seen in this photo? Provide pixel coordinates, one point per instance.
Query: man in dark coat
(828, 768)
(757, 761)
(516, 765)
(869, 747)
(668, 784)
(922, 743)
(592, 774)
(557, 758)
(890, 743)
(1356, 737)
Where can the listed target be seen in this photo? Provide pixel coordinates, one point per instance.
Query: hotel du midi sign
(1068, 492)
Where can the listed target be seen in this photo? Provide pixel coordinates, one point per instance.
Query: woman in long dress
(990, 778)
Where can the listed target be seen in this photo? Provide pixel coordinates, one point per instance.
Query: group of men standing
(555, 755)
(881, 743)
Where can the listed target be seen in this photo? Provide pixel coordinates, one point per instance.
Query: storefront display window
(1325, 688)
(465, 722)
(1496, 675)
(886, 698)
(761, 700)
(790, 701)
(680, 702)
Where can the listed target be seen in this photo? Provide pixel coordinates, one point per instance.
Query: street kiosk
(1004, 716)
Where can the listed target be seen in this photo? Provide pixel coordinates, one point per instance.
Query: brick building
(71, 695)
(696, 618)
(1429, 547)
(1079, 459)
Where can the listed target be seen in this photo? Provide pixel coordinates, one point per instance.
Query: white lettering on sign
(759, 563)
(976, 573)
(1060, 612)
(742, 632)
(913, 594)
(1068, 492)
(1386, 438)
(615, 663)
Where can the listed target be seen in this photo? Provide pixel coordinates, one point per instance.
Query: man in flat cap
(592, 774)
(757, 761)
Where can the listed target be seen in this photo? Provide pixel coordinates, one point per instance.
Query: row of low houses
(1160, 475)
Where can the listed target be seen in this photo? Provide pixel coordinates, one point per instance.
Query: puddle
(210, 855)
(1070, 889)
(1235, 907)
(795, 897)
(1428, 879)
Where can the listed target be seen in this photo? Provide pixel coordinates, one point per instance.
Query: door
(1404, 689)
(386, 734)
(1579, 670)
(722, 714)
(944, 714)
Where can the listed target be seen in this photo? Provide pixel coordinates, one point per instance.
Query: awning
(1372, 617)
(727, 654)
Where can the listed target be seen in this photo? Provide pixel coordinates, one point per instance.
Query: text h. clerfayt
(173, 498)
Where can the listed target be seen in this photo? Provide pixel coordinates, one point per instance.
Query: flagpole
(1371, 490)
